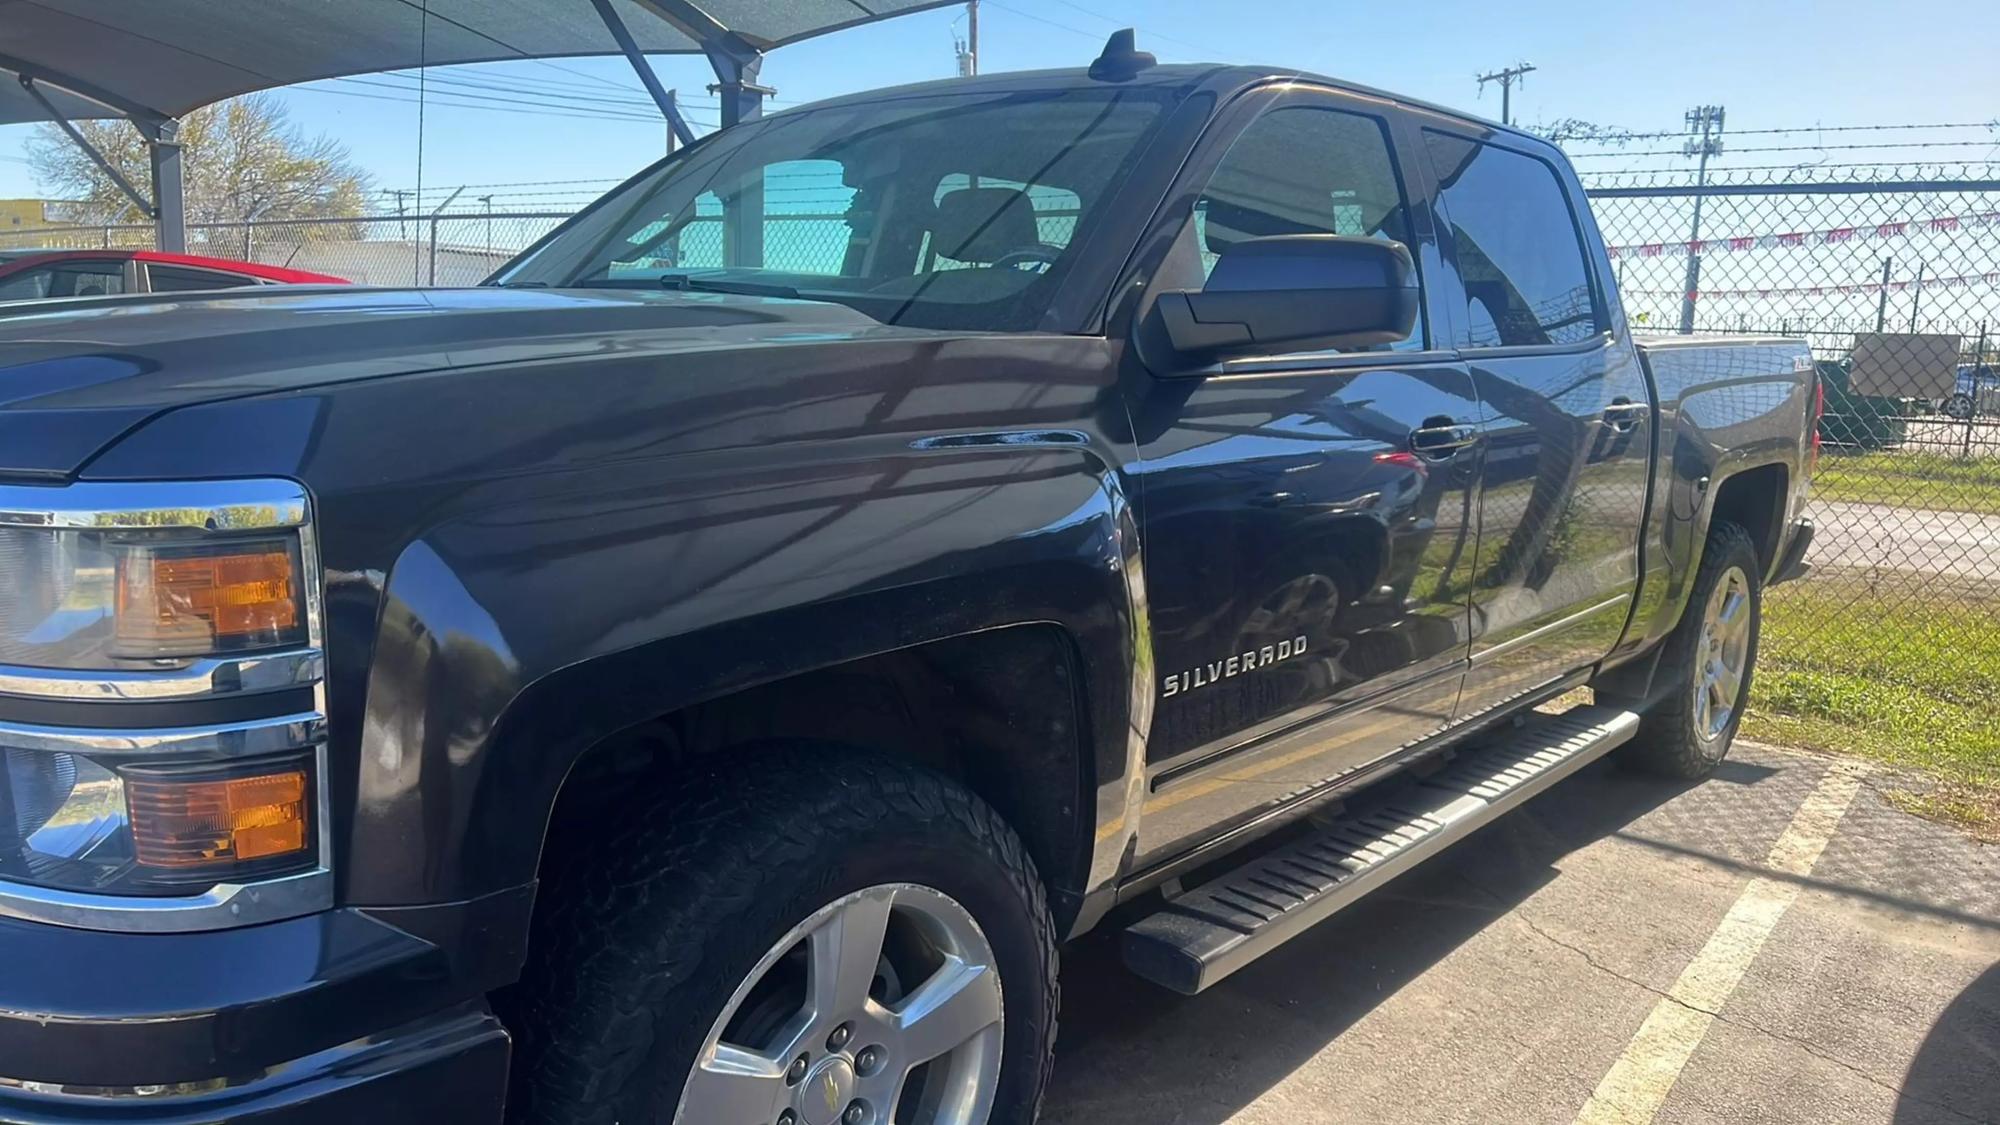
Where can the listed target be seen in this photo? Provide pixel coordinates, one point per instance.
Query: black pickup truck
(703, 674)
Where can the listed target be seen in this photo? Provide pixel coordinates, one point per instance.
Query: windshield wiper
(685, 284)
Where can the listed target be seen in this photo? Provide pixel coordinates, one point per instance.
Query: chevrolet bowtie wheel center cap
(826, 1092)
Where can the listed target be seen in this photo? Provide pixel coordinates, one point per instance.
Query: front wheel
(1709, 660)
(812, 938)
(1959, 406)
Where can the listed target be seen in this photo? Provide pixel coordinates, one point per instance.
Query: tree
(240, 159)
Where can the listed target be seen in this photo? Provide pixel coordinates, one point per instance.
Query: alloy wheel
(1722, 656)
(882, 1008)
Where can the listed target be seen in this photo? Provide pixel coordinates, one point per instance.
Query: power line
(1091, 35)
(528, 91)
(584, 115)
(539, 88)
(614, 113)
(1147, 31)
(647, 113)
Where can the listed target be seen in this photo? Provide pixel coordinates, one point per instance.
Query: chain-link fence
(445, 249)
(460, 248)
(1895, 281)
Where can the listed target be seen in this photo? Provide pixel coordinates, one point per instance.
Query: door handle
(1442, 442)
(1624, 415)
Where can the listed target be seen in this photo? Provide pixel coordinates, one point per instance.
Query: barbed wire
(1775, 130)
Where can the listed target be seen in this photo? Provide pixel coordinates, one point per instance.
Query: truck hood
(75, 375)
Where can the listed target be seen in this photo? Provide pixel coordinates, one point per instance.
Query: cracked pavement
(1501, 981)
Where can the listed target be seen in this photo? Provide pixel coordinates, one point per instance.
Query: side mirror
(1295, 293)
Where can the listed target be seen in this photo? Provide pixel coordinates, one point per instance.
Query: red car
(28, 275)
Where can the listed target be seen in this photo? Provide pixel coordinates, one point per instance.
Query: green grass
(1911, 480)
(1891, 676)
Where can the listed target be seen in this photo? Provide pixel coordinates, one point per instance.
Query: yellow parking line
(1637, 1085)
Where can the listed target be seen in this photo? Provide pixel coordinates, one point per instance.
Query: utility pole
(401, 230)
(1708, 120)
(968, 47)
(1882, 305)
(1506, 76)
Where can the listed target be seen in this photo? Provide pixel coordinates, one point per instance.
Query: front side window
(1520, 254)
(1305, 170)
(942, 211)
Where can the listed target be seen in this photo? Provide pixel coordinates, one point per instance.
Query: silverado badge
(1233, 665)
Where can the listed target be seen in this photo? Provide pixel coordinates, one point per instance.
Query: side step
(1217, 928)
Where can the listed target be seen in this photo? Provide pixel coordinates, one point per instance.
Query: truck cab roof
(1220, 79)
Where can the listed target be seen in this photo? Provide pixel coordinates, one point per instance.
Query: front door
(1565, 421)
(1306, 570)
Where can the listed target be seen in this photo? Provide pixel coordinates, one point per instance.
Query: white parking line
(1638, 1083)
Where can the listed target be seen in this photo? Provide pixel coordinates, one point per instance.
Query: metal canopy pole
(82, 142)
(163, 144)
(742, 100)
(167, 207)
(662, 97)
(737, 63)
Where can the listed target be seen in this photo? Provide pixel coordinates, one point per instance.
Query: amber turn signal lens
(196, 823)
(186, 603)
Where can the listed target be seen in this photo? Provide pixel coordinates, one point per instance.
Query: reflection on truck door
(1301, 561)
(1566, 421)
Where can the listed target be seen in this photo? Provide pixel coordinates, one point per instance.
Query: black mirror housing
(1296, 292)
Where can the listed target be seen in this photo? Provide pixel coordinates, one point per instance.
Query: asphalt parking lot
(1776, 945)
(1878, 537)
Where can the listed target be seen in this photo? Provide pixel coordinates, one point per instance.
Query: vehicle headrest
(983, 224)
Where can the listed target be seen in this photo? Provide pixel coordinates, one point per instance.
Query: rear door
(1565, 416)
(1304, 568)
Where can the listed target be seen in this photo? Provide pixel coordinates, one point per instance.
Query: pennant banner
(1928, 283)
(1943, 224)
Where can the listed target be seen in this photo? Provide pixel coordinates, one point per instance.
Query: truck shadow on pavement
(1956, 1074)
(1130, 1052)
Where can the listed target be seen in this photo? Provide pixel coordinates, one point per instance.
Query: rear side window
(171, 279)
(1302, 169)
(1519, 251)
(69, 279)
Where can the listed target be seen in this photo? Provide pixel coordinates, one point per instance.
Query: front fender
(512, 641)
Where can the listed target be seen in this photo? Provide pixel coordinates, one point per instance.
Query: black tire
(640, 942)
(1671, 741)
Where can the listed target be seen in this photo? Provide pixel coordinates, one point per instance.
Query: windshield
(956, 211)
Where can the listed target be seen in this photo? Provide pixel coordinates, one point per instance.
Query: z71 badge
(1236, 665)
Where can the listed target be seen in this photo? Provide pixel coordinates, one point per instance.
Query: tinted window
(1305, 170)
(169, 279)
(70, 279)
(1519, 251)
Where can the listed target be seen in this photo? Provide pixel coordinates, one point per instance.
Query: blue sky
(1772, 63)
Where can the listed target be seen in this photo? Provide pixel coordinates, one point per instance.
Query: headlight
(69, 818)
(82, 599)
(172, 596)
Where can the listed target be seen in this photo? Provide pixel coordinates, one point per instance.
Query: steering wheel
(1042, 255)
